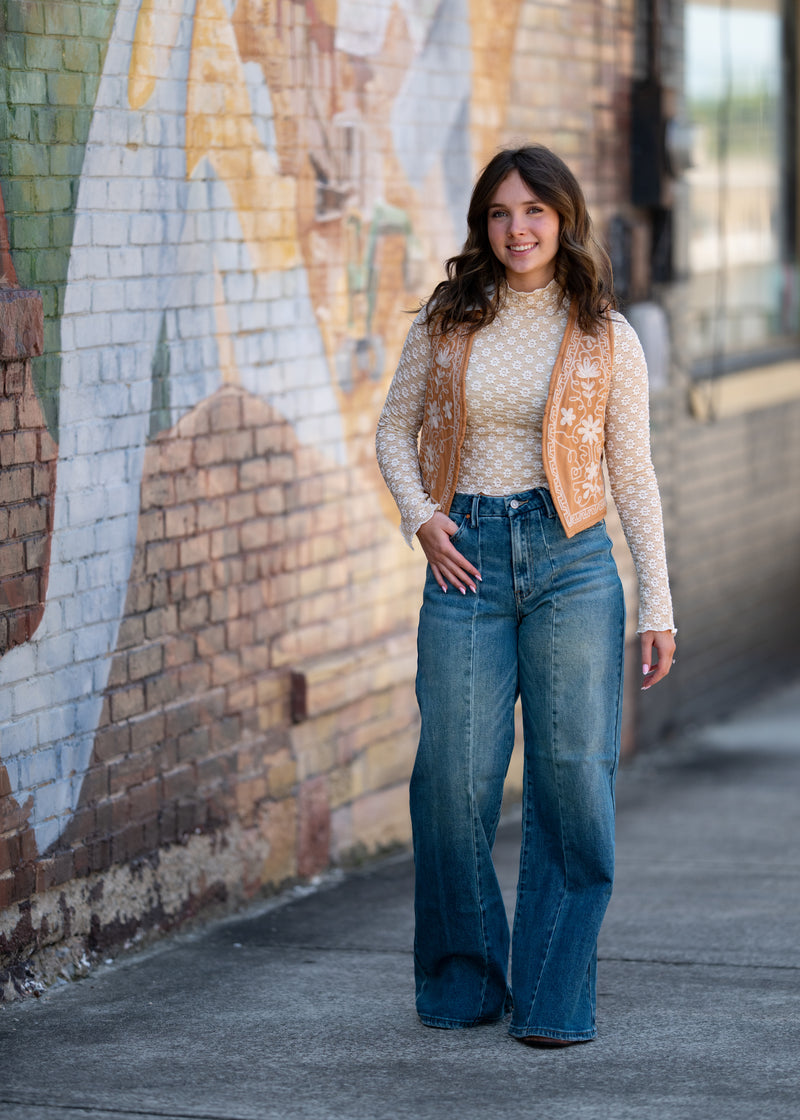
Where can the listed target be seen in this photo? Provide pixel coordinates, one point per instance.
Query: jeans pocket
(462, 520)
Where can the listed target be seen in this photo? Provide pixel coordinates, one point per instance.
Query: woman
(518, 377)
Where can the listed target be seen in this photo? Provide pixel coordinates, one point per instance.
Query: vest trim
(573, 431)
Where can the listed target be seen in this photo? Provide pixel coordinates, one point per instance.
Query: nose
(517, 225)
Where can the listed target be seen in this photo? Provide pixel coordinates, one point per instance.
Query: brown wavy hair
(476, 280)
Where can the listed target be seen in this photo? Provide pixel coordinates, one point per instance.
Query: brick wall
(206, 688)
(730, 490)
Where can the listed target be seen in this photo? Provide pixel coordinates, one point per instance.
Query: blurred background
(216, 214)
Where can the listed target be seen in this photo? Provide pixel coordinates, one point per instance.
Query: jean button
(514, 504)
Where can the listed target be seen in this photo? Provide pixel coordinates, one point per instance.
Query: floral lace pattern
(507, 385)
(578, 391)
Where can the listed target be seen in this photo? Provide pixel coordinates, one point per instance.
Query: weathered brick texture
(208, 615)
(27, 471)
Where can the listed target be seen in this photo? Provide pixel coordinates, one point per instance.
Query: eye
(497, 213)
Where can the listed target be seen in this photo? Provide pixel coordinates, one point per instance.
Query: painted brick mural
(223, 209)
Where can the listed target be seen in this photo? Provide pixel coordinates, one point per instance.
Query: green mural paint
(160, 416)
(51, 59)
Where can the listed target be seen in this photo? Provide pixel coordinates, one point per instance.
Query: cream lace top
(507, 382)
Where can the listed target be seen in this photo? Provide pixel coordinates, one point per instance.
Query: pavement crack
(688, 963)
(110, 1110)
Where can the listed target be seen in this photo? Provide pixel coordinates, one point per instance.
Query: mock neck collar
(545, 299)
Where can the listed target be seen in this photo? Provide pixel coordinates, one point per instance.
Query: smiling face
(523, 233)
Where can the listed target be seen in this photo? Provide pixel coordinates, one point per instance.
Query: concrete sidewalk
(305, 1010)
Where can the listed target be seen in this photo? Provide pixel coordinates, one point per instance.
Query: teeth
(520, 248)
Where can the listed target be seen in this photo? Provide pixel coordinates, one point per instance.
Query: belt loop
(547, 500)
(476, 501)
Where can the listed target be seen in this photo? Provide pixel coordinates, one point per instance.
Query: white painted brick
(117, 534)
(86, 506)
(106, 160)
(268, 285)
(287, 345)
(112, 399)
(91, 332)
(226, 255)
(153, 130)
(156, 195)
(30, 696)
(18, 737)
(124, 195)
(39, 768)
(146, 229)
(173, 130)
(73, 544)
(142, 294)
(79, 298)
(108, 296)
(61, 581)
(110, 465)
(79, 368)
(91, 641)
(290, 286)
(67, 333)
(239, 287)
(89, 264)
(54, 652)
(127, 262)
(283, 313)
(110, 229)
(55, 724)
(102, 605)
(91, 438)
(192, 322)
(93, 195)
(251, 316)
(127, 326)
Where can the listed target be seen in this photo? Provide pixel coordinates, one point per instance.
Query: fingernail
(645, 670)
(463, 590)
(443, 588)
(474, 590)
(479, 576)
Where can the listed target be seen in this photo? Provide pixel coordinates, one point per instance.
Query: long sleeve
(633, 479)
(506, 393)
(398, 430)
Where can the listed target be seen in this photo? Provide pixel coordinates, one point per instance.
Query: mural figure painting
(261, 183)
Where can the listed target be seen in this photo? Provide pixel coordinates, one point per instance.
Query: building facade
(217, 214)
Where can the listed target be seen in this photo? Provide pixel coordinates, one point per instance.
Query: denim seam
(553, 720)
(475, 815)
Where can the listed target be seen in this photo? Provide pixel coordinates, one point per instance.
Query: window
(742, 257)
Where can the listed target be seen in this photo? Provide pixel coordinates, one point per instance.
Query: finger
(457, 578)
(662, 646)
(647, 651)
(437, 575)
(459, 561)
(458, 571)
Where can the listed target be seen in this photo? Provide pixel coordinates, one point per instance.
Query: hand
(662, 643)
(447, 563)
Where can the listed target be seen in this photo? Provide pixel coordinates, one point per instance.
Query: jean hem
(458, 1024)
(561, 1036)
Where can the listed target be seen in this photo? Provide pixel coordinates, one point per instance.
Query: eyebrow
(526, 202)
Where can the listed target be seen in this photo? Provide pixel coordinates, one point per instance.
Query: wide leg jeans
(546, 624)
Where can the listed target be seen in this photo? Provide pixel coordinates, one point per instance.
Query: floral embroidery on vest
(445, 417)
(573, 432)
(574, 426)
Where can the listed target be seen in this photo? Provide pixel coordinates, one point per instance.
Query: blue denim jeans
(547, 624)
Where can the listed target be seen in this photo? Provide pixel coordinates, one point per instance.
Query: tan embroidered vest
(573, 431)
